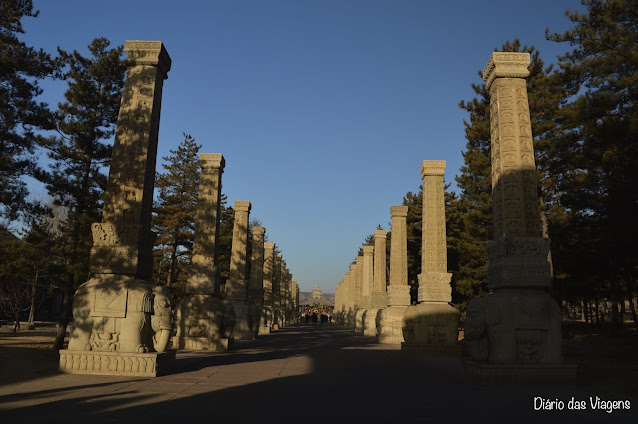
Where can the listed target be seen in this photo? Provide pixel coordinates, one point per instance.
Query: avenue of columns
(513, 332)
(123, 324)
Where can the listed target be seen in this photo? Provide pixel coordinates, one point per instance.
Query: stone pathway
(302, 373)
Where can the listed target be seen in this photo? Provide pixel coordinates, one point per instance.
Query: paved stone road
(300, 374)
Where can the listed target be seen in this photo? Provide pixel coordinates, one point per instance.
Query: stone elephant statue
(115, 313)
(514, 327)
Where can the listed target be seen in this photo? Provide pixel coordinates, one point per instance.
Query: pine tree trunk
(621, 320)
(171, 268)
(31, 321)
(630, 298)
(584, 313)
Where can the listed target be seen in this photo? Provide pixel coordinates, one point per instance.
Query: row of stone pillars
(369, 305)
(122, 323)
(514, 332)
(210, 319)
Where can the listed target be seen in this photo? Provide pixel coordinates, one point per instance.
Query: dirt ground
(606, 357)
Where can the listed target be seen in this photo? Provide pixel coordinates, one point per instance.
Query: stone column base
(117, 363)
(521, 373)
(429, 325)
(351, 319)
(264, 330)
(274, 327)
(244, 321)
(370, 322)
(358, 320)
(433, 350)
(390, 324)
(202, 343)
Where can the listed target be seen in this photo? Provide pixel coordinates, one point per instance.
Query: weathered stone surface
(399, 247)
(433, 322)
(204, 316)
(516, 330)
(390, 324)
(370, 322)
(204, 261)
(269, 248)
(367, 276)
(117, 363)
(513, 326)
(123, 241)
(117, 314)
(389, 320)
(358, 320)
(379, 298)
(237, 285)
(205, 322)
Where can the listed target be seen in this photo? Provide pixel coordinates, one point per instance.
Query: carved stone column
(237, 284)
(432, 325)
(379, 298)
(256, 286)
(349, 313)
(269, 258)
(389, 320)
(369, 314)
(276, 291)
(205, 322)
(118, 314)
(358, 301)
(514, 332)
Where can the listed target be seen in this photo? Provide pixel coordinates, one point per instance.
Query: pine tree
(598, 147)
(84, 121)
(20, 113)
(175, 211)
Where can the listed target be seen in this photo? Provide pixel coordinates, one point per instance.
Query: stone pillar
(369, 315)
(379, 298)
(524, 341)
(336, 312)
(269, 258)
(283, 290)
(349, 312)
(205, 322)
(293, 311)
(432, 325)
(256, 286)
(237, 284)
(276, 291)
(389, 320)
(358, 302)
(118, 314)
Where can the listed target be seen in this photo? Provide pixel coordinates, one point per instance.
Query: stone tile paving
(297, 374)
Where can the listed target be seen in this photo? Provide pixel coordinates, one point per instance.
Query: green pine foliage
(174, 214)
(598, 152)
(21, 66)
(85, 122)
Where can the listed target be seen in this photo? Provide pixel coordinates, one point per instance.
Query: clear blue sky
(324, 110)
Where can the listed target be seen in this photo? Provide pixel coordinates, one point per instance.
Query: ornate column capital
(212, 161)
(506, 65)
(147, 53)
(432, 168)
(241, 206)
(398, 211)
